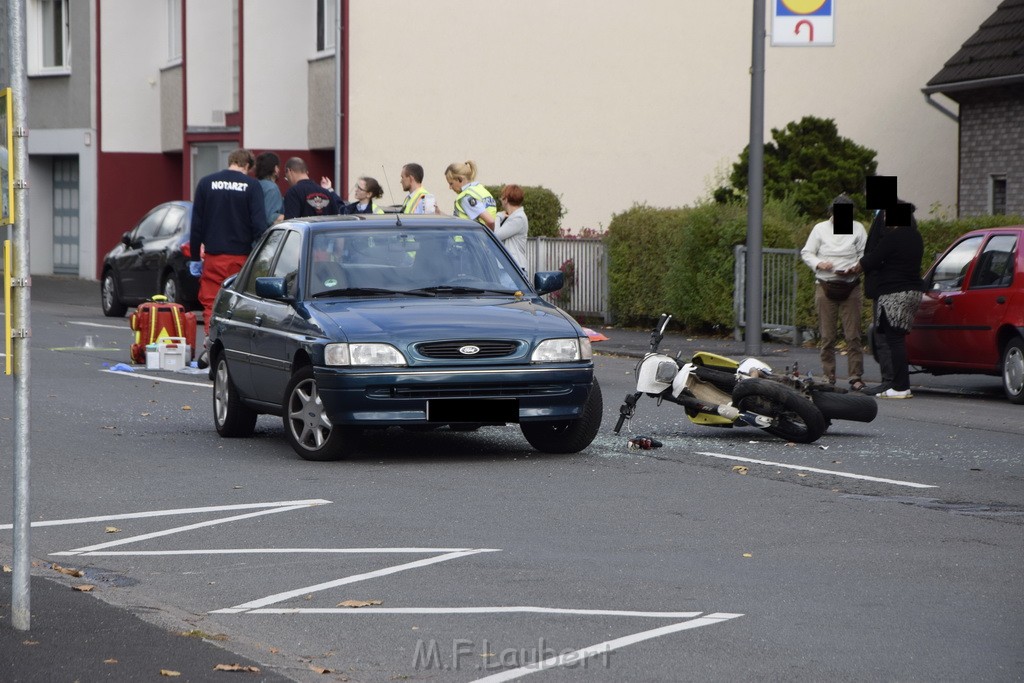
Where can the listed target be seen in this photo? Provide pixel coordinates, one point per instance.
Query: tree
(809, 162)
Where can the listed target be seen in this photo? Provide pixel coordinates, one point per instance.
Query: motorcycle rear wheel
(796, 418)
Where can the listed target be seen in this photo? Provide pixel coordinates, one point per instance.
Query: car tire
(1013, 370)
(171, 288)
(307, 426)
(797, 418)
(110, 297)
(231, 417)
(568, 436)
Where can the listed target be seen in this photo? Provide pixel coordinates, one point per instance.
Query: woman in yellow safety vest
(473, 200)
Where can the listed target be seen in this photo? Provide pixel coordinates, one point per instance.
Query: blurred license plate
(473, 410)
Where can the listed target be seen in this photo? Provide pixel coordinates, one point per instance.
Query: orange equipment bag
(157, 319)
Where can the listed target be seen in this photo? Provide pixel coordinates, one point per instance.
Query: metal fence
(587, 296)
(779, 278)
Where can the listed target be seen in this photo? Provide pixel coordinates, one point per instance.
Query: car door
(237, 318)
(959, 315)
(157, 251)
(130, 265)
(274, 333)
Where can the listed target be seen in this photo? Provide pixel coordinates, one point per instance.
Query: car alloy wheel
(308, 428)
(109, 299)
(231, 417)
(1013, 370)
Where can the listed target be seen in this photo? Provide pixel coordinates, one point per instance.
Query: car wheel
(306, 424)
(231, 417)
(110, 299)
(1013, 370)
(568, 436)
(171, 289)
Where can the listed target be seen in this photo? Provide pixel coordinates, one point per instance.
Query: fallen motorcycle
(719, 391)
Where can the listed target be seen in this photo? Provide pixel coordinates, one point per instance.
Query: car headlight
(363, 354)
(562, 350)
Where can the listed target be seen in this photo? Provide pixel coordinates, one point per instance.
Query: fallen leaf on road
(359, 603)
(169, 673)
(109, 427)
(800, 474)
(84, 588)
(274, 650)
(748, 554)
(791, 443)
(320, 669)
(145, 414)
(112, 530)
(740, 469)
(30, 642)
(186, 407)
(236, 667)
(70, 571)
(7, 569)
(110, 661)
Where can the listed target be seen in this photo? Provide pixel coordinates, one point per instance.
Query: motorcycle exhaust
(853, 407)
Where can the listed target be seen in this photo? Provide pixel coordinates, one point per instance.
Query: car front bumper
(399, 396)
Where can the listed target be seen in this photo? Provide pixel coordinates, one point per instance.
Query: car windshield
(431, 261)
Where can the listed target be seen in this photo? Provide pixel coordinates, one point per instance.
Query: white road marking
(517, 609)
(261, 551)
(287, 595)
(168, 532)
(605, 647)
(176, 511)
(111, 327)
(159, 378)
(820, 471)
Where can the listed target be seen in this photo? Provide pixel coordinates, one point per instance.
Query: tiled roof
(995, 50)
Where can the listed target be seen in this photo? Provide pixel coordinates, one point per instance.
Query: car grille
(449, 350)
(468, 391)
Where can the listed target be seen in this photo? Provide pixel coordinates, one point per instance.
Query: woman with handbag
(833, 248)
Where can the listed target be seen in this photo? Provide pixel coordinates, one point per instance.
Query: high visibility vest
(413, 200)
(480, 194)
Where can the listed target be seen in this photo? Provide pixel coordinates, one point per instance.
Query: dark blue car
(350, 323)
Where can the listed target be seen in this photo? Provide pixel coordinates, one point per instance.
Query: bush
(543, 207)
(681, 260)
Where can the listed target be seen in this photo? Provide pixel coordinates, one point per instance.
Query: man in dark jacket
(227, 218)
(305, 197)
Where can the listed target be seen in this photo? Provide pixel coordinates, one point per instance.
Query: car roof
(382, 221)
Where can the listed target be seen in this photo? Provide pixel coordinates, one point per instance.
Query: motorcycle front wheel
(795, 418)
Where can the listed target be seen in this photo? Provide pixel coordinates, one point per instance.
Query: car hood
(402, 322)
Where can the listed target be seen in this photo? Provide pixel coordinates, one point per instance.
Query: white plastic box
(153, 356)
(173, 353)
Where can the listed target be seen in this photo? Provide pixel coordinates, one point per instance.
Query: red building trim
(344, 96)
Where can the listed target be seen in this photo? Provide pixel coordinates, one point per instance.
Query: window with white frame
(326, 23)
(173, 31)
(48, 37)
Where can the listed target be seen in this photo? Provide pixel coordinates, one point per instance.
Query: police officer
(473, 200)
(418, 200)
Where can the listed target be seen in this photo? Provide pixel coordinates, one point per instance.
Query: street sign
(803, 23)
(6, 158)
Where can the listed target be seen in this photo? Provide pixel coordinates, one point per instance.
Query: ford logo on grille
(469, 350)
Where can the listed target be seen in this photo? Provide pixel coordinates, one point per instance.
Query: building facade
(131, 101)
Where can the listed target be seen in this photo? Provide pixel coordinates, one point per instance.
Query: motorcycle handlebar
(659, 331)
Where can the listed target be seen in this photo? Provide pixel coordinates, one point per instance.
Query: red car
(971, 319)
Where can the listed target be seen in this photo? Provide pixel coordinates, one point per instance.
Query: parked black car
(152, 258)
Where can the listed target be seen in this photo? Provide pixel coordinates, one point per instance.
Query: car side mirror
(126, 239)
(272, 288)
(547, 282)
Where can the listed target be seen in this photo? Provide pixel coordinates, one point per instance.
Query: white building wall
(276, 97)
(209, 50)
(610, 103)
(131, 59)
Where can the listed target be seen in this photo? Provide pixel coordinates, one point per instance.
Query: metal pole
(755, 190)
(21, 322)
(337, 96)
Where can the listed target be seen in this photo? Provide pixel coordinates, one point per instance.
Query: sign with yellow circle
(803, 23)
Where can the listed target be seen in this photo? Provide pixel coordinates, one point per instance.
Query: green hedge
(681, 261)
(542, 206)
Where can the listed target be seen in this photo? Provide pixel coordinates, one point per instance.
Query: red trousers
(216, 269)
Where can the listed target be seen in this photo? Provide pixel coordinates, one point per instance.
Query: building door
(209, 157)
(65, 215)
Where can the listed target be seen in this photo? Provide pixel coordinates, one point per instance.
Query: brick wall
(991, 143)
